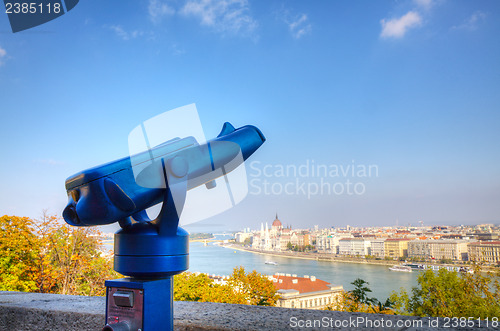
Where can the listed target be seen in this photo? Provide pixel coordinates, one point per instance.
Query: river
(213, 259)
(218, 260)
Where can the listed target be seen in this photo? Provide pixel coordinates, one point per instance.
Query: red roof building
(305, 292)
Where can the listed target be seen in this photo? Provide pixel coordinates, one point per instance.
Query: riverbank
(330, 258)
(213, 239)
(311, 256)
(221, 260)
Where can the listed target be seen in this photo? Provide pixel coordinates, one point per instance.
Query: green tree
(309, 248)
(445, 261)
(357, 300)
(360, 292)
(379, 307)
(451, 294)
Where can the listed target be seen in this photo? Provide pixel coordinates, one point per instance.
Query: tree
(445, 261)
(50, 257)
(241, 288)
(451, 294)
(256, 288)
(383, 308)
(18, 251)
(309, 248)
(72, 262)
(224, 293)
(357, 300)
(360, 291)
(191, 286)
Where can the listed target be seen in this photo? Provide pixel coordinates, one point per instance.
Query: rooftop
(304, 284)
(481, 243)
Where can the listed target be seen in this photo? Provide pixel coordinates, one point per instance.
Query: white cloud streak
(426, 4)
(397, 27)
(299, 26)
(158, 9)
(125, 35)
(3, 54)
(472, 22)
(226, 16)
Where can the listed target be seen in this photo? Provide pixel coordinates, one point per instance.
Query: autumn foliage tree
(71, 261)
(241, 288)
(18, 254)
(253, 287)
(192, 287)
(49, 256)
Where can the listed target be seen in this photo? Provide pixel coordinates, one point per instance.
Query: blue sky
(409, 86)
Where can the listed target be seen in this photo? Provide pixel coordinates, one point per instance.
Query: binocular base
(151, 267)
(139, 305)
(141, 252)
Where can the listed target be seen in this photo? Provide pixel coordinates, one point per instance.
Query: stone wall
(41, 312)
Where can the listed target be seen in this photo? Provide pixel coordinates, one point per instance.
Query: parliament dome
(277, 222)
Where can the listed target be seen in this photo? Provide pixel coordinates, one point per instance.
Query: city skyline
(463, 243)
(409, 88)
(214, 228)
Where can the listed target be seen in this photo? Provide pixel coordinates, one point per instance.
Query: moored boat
(402, 268)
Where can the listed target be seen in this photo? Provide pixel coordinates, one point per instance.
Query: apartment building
(378, 247)
(396, 247)
(484, 251)
(354, 246)
(450, 249)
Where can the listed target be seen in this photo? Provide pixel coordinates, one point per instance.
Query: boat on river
(436, 267)
(414, 266)
(402, 268)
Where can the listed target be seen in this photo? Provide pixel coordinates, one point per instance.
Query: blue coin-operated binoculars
(149, 251)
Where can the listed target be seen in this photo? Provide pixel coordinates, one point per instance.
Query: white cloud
(397, 27)
(3, 54)
(227, 16)
(176, 50)
(426, 4)
(472, 22)
(125, 35)
(158, 9)
(299, 26)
